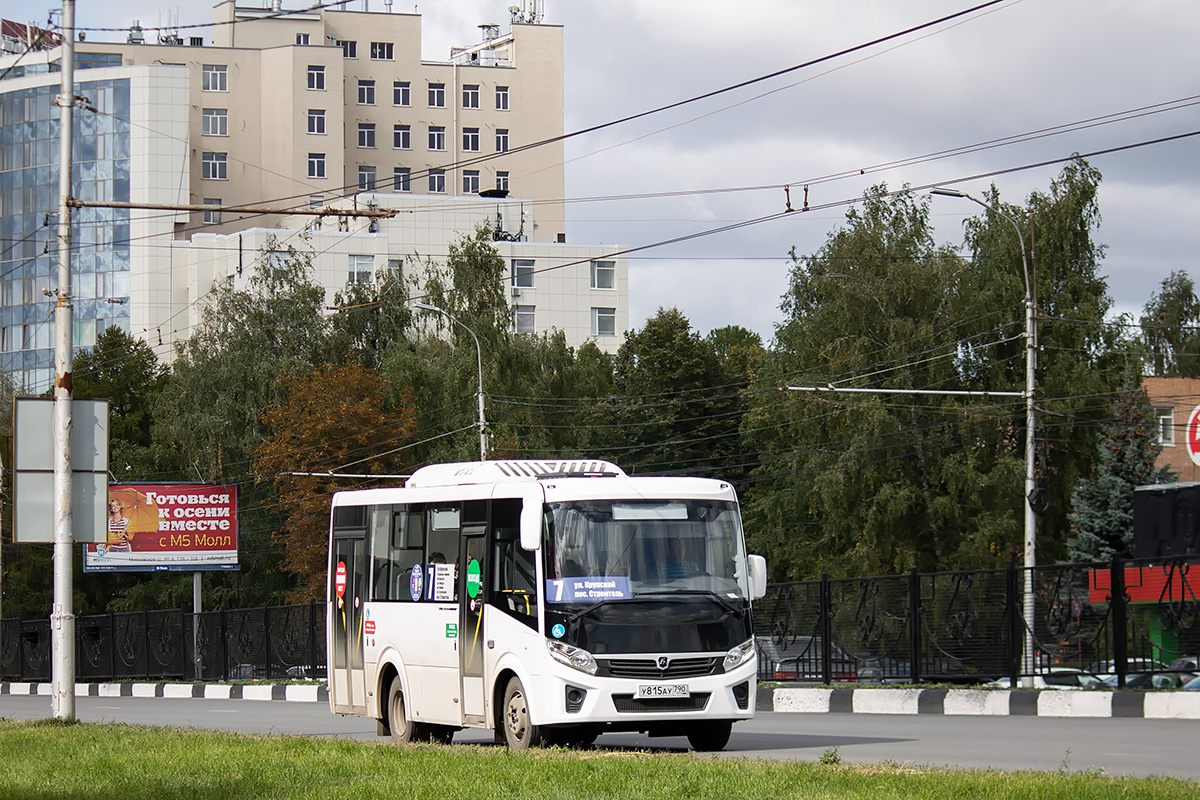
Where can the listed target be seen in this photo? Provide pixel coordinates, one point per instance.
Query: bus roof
(474, 472)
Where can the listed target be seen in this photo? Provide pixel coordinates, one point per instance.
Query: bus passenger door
(472, 594)
(347, 594)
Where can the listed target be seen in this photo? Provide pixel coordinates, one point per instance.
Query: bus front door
(472, 593)
(348, 685)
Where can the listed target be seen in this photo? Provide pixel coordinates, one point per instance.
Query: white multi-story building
(282, 109)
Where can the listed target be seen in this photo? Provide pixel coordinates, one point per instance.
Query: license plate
(651, 691)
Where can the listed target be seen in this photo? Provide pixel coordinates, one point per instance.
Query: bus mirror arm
(531, 517)
(758, 576)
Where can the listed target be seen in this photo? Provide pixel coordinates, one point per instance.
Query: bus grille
(627, 703)
(646, 668)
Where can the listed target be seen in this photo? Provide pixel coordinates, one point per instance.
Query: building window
(366, 93)
(470, 95)
(501, 140)
(604, 322)
(381, 51)
(502, 98)
(401, 94)
(437, 95)
(214, 122)
(214, 166)
(366, 179)
(302, 39)
(316, 77)
(437, 181)
(502, 181)
(401, 137)
(471, 139)
(1166, 426)
(360, 268)
(349, 49)
(524, 319)
(366, 134)
(470, 181)
(212, 217)
(604, 275)
(437, 137)
(400, 179)
(316, 200)
(214, 78)
(316, 165)
(522, 273)
(316, 120)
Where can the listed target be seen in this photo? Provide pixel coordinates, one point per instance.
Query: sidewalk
(299, 693)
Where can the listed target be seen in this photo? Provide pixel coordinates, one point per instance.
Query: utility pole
(62, 615)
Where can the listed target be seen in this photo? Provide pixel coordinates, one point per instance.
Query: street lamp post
(1030, 482)
(483, 436)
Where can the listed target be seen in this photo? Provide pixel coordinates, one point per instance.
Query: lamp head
(947, 192)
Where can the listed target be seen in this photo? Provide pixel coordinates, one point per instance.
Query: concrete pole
(62, 615)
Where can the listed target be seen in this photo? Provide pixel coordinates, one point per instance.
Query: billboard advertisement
(165, 527)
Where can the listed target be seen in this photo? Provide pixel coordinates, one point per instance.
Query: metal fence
(270, 642)
(1121, 618)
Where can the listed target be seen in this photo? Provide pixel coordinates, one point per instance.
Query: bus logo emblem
(663, 662)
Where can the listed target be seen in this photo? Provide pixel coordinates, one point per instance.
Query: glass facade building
(100, 261)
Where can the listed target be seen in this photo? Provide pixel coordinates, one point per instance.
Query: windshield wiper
(589, 609)
(724, 602)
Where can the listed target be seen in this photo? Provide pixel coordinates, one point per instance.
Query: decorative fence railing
(1120, 618)
(269, 642)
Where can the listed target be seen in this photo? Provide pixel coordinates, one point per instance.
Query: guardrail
(269, 642)
(1123, 618)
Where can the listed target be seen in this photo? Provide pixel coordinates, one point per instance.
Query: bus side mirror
(758, 576)
(532, 499)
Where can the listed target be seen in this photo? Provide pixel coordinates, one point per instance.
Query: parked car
(1193, 684)
(1153, 681)
(798, 658)
(1069, 679)
(1107, 669)
(1185, 664)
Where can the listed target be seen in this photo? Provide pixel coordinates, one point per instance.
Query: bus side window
(514, 573)
(381, 523)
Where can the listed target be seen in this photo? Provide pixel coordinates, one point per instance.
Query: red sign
(1144, 585)
(369, 626)
(339, 579)
(1193, 435)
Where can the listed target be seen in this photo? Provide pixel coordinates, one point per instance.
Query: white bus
(549, 601)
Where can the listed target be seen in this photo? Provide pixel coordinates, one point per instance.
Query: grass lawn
(99, 761)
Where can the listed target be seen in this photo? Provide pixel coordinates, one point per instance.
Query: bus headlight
(739, 655)
(574, 657)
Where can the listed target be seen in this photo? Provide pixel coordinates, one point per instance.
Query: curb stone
(804, 700)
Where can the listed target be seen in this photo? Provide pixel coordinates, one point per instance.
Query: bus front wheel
(708, 737)
(519, 732)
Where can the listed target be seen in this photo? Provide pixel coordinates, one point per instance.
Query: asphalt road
(1117, 746)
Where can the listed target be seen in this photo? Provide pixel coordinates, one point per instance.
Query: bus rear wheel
(708, 737)
(519, 732)
(403, 730)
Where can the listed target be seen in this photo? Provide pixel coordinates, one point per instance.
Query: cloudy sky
(1111, 72)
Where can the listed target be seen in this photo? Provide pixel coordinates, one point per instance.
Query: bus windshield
(600, 550)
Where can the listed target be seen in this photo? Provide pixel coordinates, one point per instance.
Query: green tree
(870, 483)
(1171, 328)
(125, 371)
(676, 409)
(1102, 517)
